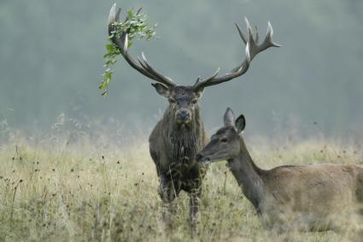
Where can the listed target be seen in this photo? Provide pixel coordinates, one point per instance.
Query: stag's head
(225, 144)
(183, 99)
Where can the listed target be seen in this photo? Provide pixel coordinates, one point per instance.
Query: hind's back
(315, 194)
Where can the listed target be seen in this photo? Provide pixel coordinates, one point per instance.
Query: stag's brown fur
(173, 144)
(173, 149)
(311, 197)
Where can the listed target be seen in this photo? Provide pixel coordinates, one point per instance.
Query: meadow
(60, 188)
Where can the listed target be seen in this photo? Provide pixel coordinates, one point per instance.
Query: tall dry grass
(58, 189)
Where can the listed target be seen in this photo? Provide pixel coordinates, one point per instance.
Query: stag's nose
(183, 116)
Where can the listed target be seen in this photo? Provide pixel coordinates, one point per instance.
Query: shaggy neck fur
(184, 142)
(248, 177)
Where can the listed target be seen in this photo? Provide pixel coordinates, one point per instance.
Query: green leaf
(137, 27)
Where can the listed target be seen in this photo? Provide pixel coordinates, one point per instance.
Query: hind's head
(225, 144)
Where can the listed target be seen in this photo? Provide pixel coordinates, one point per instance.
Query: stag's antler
(121, 41)
(252, 49)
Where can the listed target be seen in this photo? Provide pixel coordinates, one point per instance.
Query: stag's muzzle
(183, 116)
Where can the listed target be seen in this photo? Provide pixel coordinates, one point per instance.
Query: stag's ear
(161, 89)
(240, 123)
(229, 118)
(198, 94)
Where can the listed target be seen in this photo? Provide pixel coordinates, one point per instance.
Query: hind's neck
(247, 175)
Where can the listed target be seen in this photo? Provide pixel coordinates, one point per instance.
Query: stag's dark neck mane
(185, 142)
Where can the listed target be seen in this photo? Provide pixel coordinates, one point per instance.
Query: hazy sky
(51, 63)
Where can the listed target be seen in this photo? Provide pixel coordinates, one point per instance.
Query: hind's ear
(240, 123)
(228, 118)
(161, 89)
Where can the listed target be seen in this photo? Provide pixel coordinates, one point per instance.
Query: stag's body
(180, 134)
(311, 197)
(173, 148)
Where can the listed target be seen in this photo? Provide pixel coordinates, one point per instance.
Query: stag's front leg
(194, 198)
(168, 191)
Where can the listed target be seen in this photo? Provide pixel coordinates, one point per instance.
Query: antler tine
(139, 11)
(249, 28)
(145, 64)
(256, 34)
(270, 32)
(198, 81)
(121, 41)
(251, 39)
(241, 34)
(251, 50)
(114, 14)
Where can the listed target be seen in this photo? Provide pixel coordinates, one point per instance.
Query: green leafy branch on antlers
(137, 27)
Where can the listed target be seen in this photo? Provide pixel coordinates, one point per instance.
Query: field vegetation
(84, 188)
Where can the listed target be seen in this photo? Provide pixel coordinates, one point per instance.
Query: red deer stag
(180, 134)
(311, 197)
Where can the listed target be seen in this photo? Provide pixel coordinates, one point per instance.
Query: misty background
(51, 62)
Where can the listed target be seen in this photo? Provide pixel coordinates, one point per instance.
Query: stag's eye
(194, 101)
(172, 100)
(224, 140)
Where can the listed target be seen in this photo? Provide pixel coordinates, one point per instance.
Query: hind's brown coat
(311, 197)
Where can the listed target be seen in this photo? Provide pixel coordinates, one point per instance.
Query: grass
(61, 191)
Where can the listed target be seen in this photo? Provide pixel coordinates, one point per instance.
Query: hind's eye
(224, 140)
(172, 100)
(194, 101)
